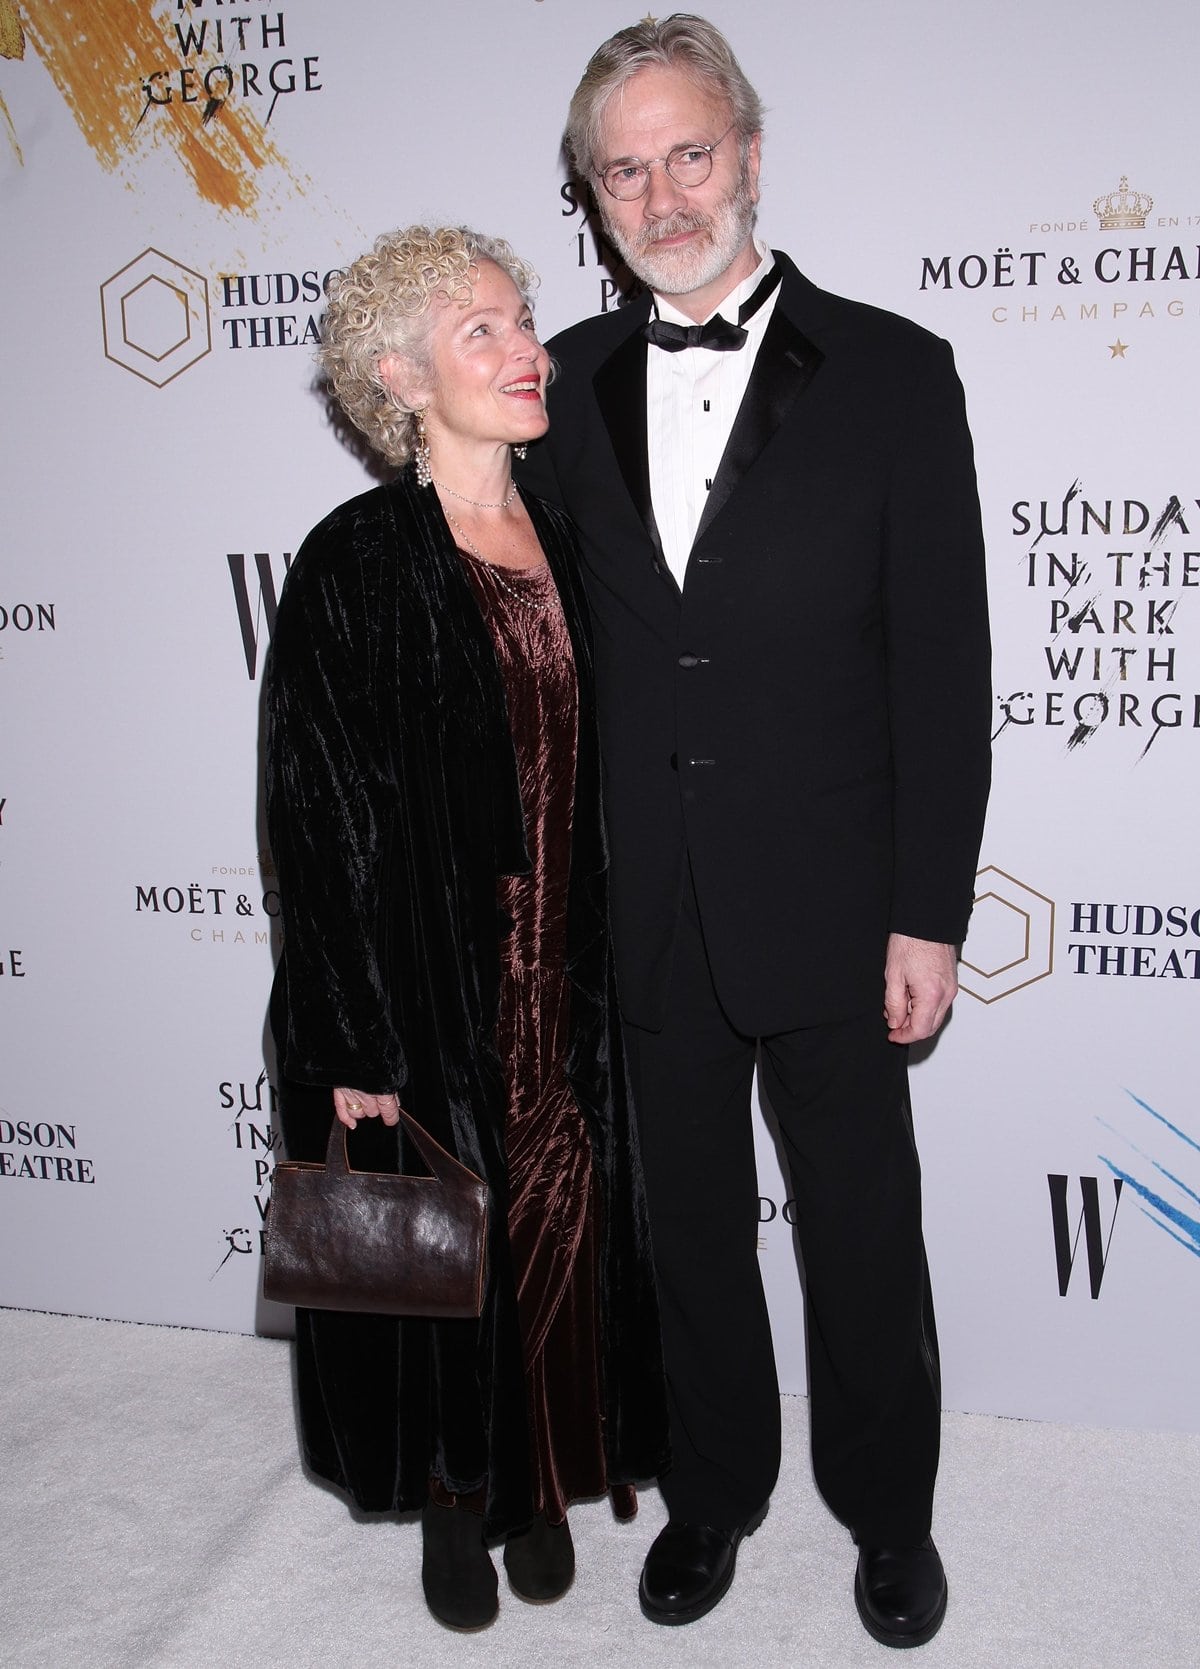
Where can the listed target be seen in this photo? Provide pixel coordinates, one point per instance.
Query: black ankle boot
(457, 1573)
(540, 1561)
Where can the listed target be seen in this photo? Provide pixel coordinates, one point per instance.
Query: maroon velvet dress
(554, 1203)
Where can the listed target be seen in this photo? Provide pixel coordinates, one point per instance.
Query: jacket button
(689, 661)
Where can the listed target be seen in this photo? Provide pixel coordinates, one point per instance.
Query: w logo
(251, 620)
(1066, 1245)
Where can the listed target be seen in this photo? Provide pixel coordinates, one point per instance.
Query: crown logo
(1123, 209)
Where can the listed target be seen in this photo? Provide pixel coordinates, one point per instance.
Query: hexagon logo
(1011, 939)
(156, 320)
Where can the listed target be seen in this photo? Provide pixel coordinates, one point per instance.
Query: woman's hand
(352, 1104)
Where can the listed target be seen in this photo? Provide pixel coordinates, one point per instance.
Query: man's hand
(920, 982)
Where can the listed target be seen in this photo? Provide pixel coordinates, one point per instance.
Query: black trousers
(840, 1095)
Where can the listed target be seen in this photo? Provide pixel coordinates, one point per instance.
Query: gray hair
(381, 305)
(681, 41)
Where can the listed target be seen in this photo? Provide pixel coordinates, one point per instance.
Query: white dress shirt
(692, 398)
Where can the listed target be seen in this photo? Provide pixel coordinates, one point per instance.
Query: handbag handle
(445, 1167)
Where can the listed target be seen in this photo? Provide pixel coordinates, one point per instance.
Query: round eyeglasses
(687, 165)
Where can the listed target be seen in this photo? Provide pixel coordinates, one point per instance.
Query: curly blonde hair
(381, 305)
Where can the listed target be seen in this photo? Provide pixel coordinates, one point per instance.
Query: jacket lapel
(787, 362)
(620, 386)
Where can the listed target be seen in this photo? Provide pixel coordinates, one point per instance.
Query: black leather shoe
(900, 1593)
(540, 1561)
(689, 1568)
(457, 1572)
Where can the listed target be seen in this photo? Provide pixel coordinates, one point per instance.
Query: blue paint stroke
(1189, 1225)
(1179, 1183)
(1174, 1129)
(1171, 1232)
(1162, 1212)
(1142, 1154)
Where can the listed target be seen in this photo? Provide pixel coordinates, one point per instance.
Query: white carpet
(156, 1515)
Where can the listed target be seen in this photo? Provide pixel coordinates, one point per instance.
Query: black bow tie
(717, 333)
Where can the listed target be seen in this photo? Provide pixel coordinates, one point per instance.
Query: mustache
(683, 220)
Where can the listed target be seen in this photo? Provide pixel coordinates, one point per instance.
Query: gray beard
(677, 272)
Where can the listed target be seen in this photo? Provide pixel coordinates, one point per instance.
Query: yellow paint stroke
(100, 52)
(12, 132)
(12, 45)
(12, 36)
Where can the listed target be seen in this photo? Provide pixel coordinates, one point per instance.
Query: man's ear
(753, 163)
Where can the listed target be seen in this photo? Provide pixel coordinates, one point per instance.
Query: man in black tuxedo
(782, 548)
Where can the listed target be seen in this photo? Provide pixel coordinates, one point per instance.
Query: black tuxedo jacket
(807, 722)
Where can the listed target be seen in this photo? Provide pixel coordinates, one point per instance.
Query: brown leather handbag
(339, 1239)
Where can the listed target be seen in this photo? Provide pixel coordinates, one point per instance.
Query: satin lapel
(620, 386)
(787, 362)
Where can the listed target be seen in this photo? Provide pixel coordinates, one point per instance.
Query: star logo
(1117, 348)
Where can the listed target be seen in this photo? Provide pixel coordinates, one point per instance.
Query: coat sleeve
(938, 659)
(330, 800)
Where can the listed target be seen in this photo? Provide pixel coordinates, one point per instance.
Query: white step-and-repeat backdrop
(178, 177)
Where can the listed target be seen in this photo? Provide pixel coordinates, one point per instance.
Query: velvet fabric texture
(394, 805)
(554, 1204)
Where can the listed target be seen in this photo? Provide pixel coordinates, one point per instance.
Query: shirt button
(689, 661)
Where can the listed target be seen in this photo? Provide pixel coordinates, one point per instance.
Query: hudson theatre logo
(1134, 941)
(273, 309)
(1010, 942)
(155, 317)
(22, 618)
(42, 1152)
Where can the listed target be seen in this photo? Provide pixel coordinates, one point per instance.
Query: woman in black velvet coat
(417, 828)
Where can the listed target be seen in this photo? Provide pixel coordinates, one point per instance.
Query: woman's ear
(399, 376)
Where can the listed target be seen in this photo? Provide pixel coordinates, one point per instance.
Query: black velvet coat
(393, 805)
